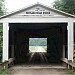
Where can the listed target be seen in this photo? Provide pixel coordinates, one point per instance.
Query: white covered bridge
(39, 21)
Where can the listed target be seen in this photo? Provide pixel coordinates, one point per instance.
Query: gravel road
(20, 70)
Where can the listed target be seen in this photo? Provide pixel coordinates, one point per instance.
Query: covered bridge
(39, 21)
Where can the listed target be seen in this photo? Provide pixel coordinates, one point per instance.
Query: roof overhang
(67, 15)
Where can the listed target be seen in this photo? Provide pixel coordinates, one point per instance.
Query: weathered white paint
(54, 17)
(38, 9)
(39, 20)
(70, 39)
(5, 41)
(74, 20)
(35, 20)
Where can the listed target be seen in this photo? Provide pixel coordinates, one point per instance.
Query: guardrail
(71, 65)
(11, 60)
(5, 64)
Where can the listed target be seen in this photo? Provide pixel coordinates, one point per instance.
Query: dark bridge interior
(19, 34)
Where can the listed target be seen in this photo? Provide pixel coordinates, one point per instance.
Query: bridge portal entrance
(20, 33)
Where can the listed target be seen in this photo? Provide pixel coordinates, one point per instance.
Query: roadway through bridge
(39, 70)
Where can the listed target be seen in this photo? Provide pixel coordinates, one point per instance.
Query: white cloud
(13, 5)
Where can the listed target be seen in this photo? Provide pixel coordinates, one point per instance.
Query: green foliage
(38, 42)
(71, 72)
(2, 8)
(65, 5)
(2, 12)
(5, 72)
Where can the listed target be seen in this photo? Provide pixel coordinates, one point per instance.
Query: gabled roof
(23, 9)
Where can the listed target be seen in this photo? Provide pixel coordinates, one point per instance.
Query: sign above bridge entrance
(40, 11)
(37, 11)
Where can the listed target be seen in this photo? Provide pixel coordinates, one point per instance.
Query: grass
(5, 72)
(71, 72)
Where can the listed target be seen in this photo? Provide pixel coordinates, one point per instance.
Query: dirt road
(38, 71)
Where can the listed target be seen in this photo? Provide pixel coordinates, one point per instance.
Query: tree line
(38, 42)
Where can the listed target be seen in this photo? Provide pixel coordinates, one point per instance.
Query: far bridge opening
(37, 50)
(50, 51)
(37, 45)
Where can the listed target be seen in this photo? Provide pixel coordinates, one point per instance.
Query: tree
(2, 12)
(65, 5)
(2, 8)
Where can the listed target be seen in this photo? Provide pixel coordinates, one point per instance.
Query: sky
(12, 5)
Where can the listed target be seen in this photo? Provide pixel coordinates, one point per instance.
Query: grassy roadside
(71, 72)
(5, 72)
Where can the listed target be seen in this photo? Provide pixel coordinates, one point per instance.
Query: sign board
(37, 11)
